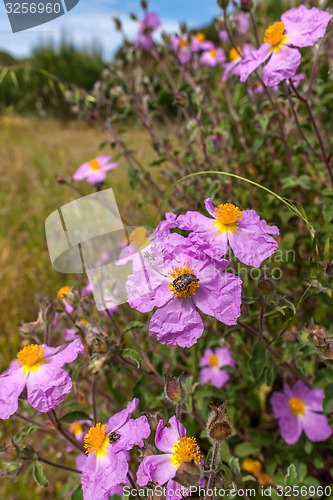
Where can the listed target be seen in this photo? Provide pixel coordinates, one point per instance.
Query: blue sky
(91, 20)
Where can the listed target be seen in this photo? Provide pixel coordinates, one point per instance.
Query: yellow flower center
(186, 450)
(184, 283)
(201, 37)
(212, 53)
(275, 36)
(76, 428)
(139, 237)
(63, 291)
(94, 165)
(228, 216)
(182, 43)
(297, 406)
(96, 440)
(213, 360)
(234, 54)
(31, 357)
(83, 321)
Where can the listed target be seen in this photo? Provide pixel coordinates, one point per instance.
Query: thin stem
(213, 467)
(93, 397)
(179, 410)
(132, 483)
(57, 424)
(254, 25)
(58, 466)
(28, 419)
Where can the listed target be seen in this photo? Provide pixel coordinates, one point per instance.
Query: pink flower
(177, 448)
(180, 45)
(299, 27)
(248, 235)
(182, 279)
(39, 369)
(199, 42)
(106, 446)
(150, 23)
(235, 58)
(211, 364)
(94, 170)
(212, 57)
(298, 409)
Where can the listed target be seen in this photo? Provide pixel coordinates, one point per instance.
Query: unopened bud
(60, 179)
(183, 28)
(188, 473)
(223, 3)
(144, 4)
(218, 425)
(133, 16)
(8, 453)
(266, 284)
(117, 23)
(246, 5)
(153, 419)
(173, 389)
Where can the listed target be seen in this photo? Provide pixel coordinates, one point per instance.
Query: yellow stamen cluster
(254, 467)
(234, 54)
(31, 357)
(139, 236)
(228, 216)
(182, 43)
(213, 360)
(297, 406)
(186, 450)
(201, 37)
(275, 36)
(212, 53)
(94, 165)
(189, 288)
(63, 291)
(96, 440)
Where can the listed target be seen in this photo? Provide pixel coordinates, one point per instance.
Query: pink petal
(65, 353)
(167, 435)
(12, 383)
(280, 406)
(147, 289)
(305, 26)
(204, 361)
(122, 417)
(133, 434)
(48, 387)
(82, 172)
(281, 66)
(290, 428)
(225, 356)
(177, 323)
(315, 426)
(254, 60)
(157, 468)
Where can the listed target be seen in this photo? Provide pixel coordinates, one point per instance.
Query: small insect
(184, 282)
(113, 437)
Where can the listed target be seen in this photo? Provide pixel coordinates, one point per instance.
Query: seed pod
(218, 425)
(246, 5)
(173, 389)
(223, 3)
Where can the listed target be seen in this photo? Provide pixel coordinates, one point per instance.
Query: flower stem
(93, 397)
(213, 467)
(58, 466)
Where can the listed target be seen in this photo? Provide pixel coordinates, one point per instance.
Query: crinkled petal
(315, 426)
(48, 387)
(174, 490)
(82, 172)
(100, 476)
(157, 468)
(281, 66)
(147, 289)
(303, 26)
(210, 207)
(167, 435)
(96, 177)
(177, 323)
(65, 353)
(204, 361)
(222, 298)
(122, 417)
(251, 220)
(225, 356)
(280, 406)
(290, 428)
(217, 377)
(253, 61)
(12, 383)
(132, 434)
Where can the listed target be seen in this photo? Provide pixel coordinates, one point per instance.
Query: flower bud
(173, 389)
(144, 4)
(60, 179)
(218, 425)
(188, 473)
(153, 418)
(117, 23)
(246, 5)
(133, 16)
(266, 284)
(223, 4)
(183, 28)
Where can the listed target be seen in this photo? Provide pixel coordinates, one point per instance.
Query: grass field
(33, 151)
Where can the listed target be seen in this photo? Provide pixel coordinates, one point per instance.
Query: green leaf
(291, 476)
(39, 476)
(132, 355)
(77, 370)
(257, 361)
(234, 464)
(24, 432)
(245, 449)
(77, 493)
(328, 400)
(75, 415)
(132, 325)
